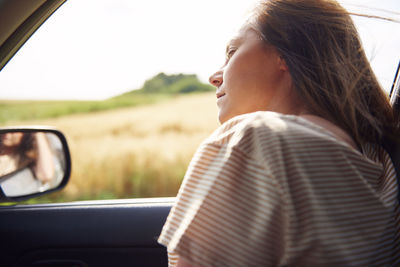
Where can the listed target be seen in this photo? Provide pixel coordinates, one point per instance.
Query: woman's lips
(220, 94)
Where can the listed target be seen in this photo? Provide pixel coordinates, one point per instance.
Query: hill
(171, 84)
(159, 87)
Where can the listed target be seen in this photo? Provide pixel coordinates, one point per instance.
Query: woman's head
(254, 77)
(330, 75)
(17, 144)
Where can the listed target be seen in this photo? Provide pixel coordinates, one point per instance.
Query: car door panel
(94, 233)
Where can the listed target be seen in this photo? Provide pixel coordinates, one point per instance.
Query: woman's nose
(216, 79)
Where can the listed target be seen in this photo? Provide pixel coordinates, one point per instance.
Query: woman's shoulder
(268, 125)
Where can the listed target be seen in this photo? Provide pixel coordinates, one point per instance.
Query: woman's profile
(296, 175)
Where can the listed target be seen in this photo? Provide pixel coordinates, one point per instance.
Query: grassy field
(159, 87)
(132, 152)
(27, 110)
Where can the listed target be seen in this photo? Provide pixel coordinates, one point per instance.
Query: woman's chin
(221, 117)
(224, 116)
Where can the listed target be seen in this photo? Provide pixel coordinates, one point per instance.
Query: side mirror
(33, 162)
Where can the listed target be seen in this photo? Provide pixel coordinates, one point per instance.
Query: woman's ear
(282, 63)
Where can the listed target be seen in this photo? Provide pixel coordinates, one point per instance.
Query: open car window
(81, 70)
(379, 28)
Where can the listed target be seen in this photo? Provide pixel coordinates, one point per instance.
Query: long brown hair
(329, 68)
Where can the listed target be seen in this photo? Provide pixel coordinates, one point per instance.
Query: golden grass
(134, 152)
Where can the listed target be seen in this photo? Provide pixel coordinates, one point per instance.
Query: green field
(15, 111)
(159, 87)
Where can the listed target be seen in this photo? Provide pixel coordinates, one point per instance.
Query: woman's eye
(230, 53)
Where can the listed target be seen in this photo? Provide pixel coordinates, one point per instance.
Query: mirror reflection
(30, 162)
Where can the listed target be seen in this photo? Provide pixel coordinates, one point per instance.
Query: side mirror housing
(33, 161)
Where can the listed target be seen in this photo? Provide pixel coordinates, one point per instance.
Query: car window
(81, 70)
(379, 36)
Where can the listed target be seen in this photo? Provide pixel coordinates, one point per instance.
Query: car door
(91, 233)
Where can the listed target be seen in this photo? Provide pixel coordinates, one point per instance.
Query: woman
(296, 175)
(26, 163)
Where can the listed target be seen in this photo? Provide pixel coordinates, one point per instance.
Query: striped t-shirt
(267, 189)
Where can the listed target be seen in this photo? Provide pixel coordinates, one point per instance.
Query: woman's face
(254, 77)
(11, 139)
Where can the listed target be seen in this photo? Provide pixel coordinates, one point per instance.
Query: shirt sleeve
(228, 212)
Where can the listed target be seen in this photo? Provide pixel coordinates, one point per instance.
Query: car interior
(88, 233)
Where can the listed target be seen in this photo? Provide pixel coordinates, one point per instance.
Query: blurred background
(126, 81)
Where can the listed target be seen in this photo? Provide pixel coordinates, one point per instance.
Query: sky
(96, 49)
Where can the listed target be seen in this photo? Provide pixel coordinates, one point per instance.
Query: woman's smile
(220, 95)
